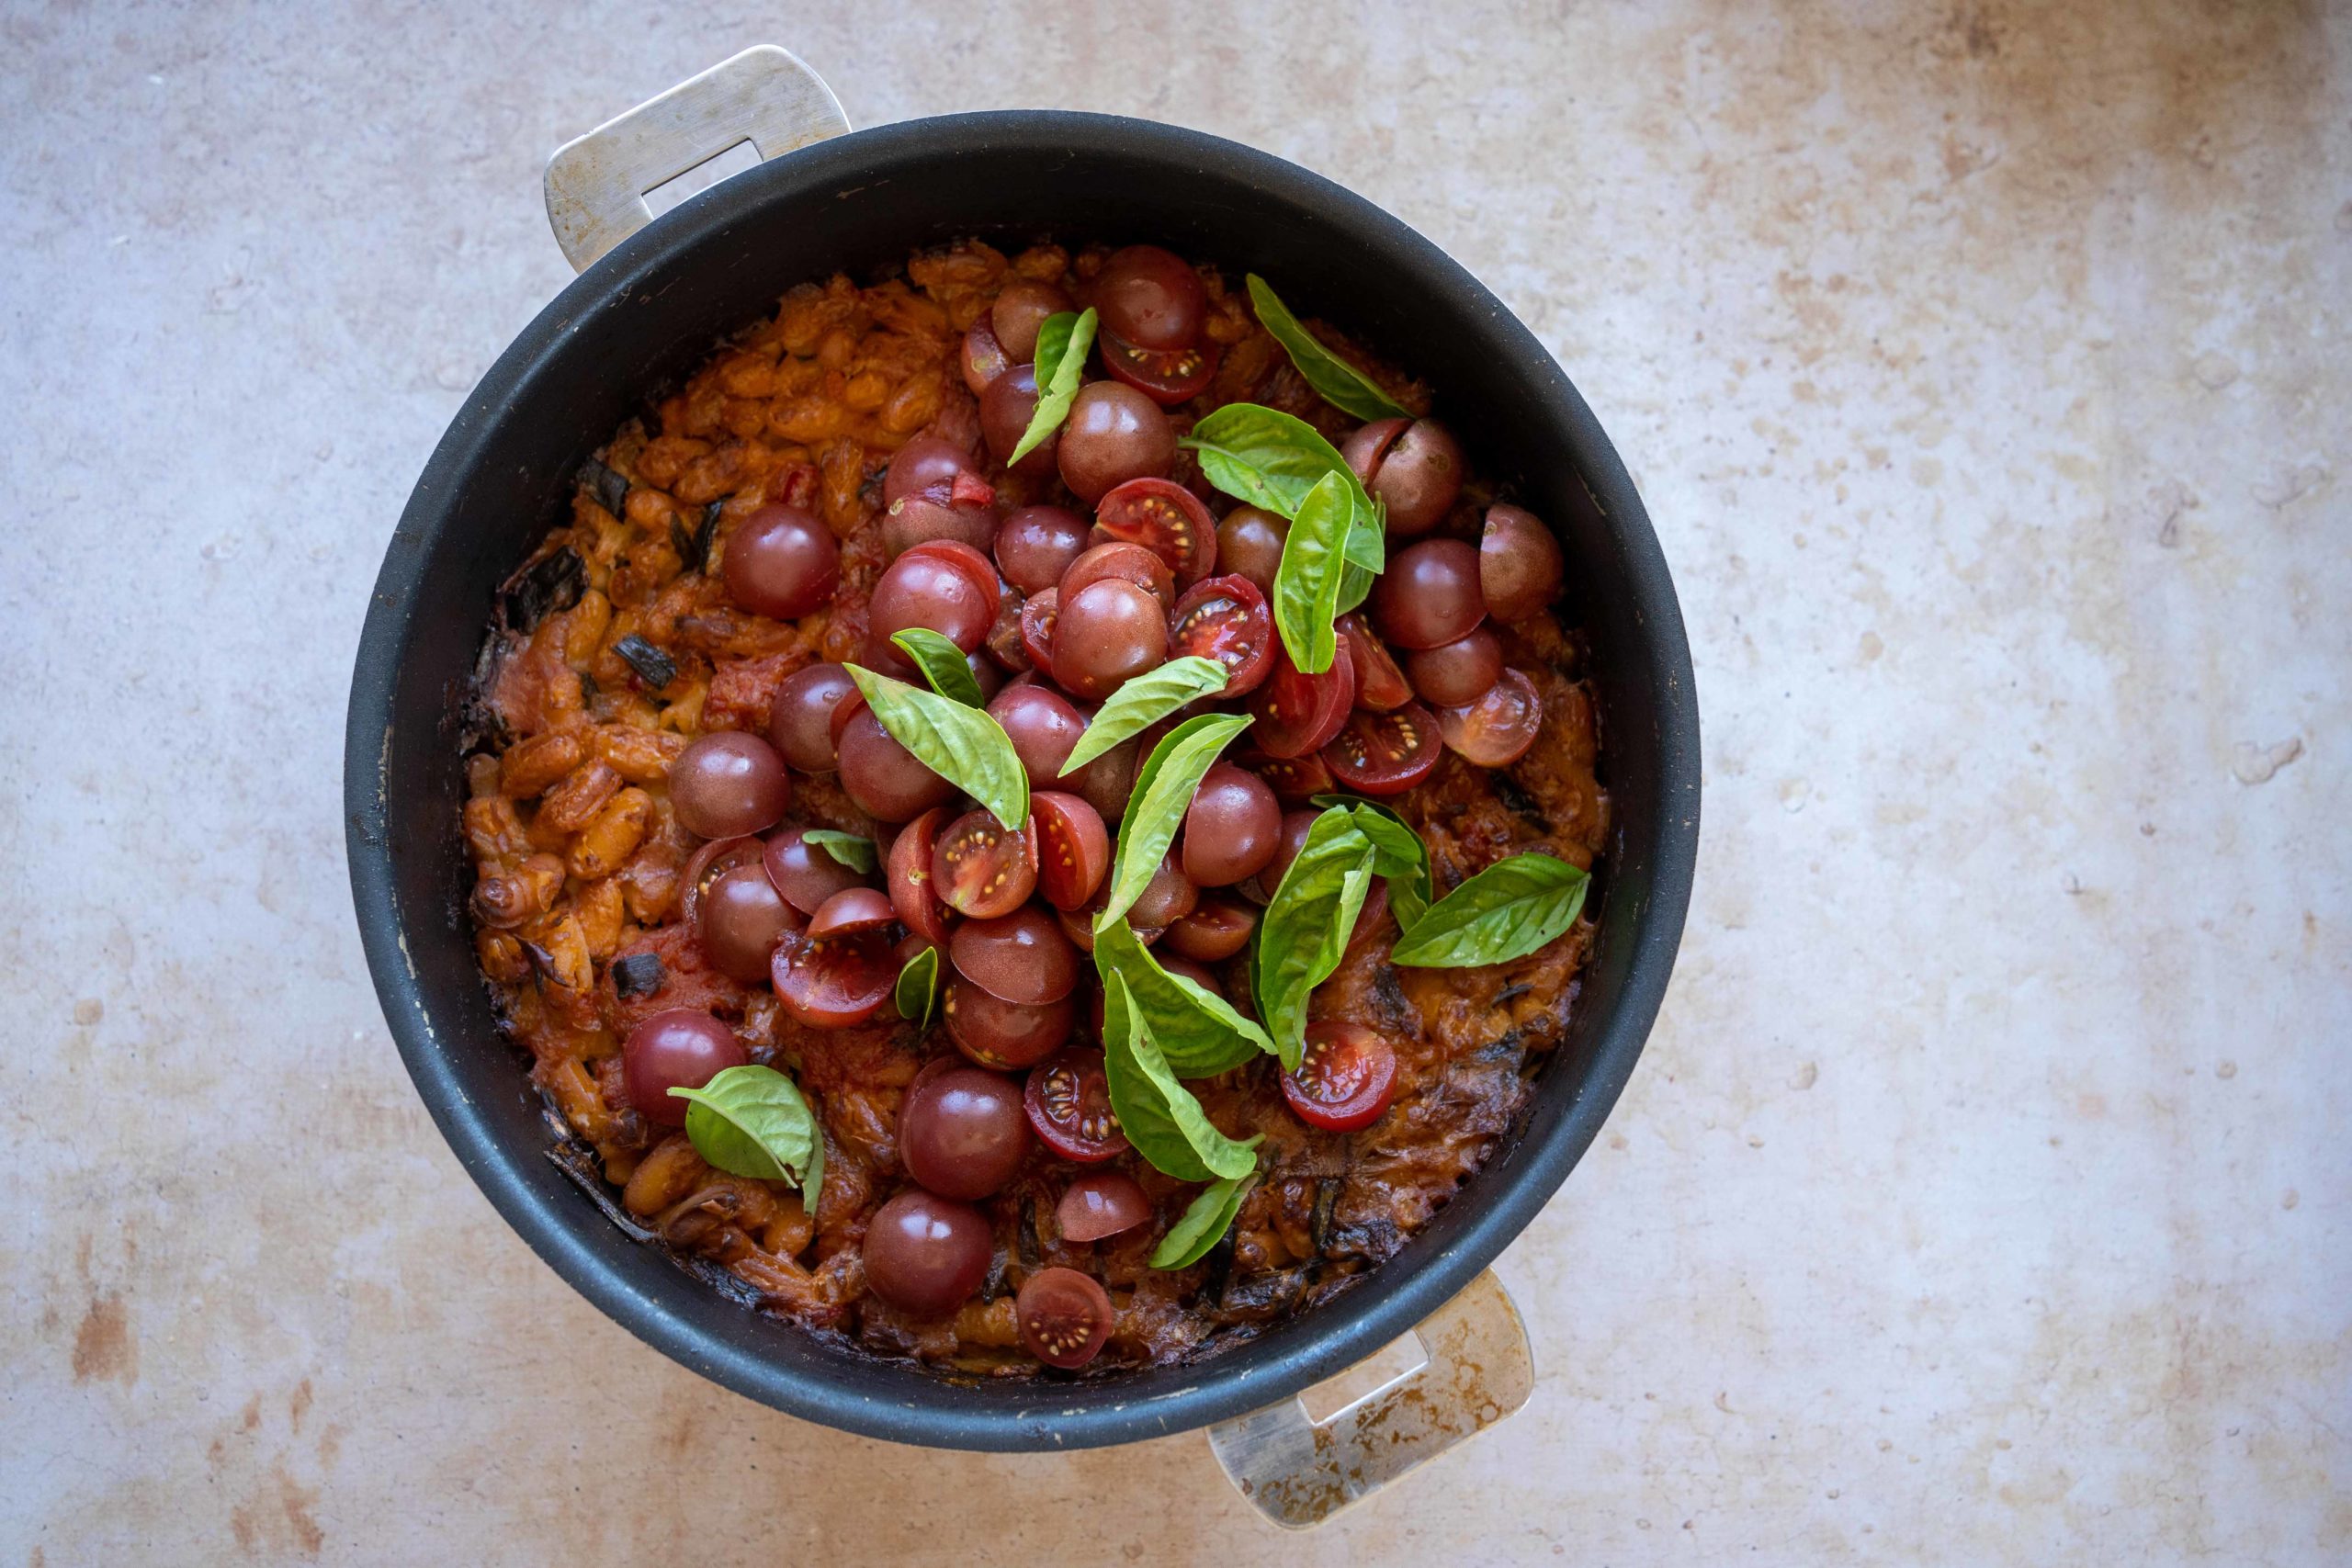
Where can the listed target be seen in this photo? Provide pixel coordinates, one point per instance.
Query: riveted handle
(1299, 1473)
(596, 184)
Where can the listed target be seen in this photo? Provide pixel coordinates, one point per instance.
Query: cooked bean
(666, 1177)
(605, 843)
(494, 829)
(602, 910)
(641, 755)
(572, 804)
(537, 762)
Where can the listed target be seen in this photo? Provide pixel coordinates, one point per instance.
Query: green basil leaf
(847, 848)
(963, 744)
(1304, 932)
(1062, 344)
(1505, 912)
(1199, 1033)
(1203, 1224)
(1144, 702)
(1399, 853)
(1163, 793)
(1343, 385)
(1306, 583)
(917, 992)
(751, 1121)
(1159, 1116)
(941, 663)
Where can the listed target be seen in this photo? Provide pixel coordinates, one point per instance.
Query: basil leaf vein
(917, 991)
(1143, 702)
(847, 848)
(1199, 1033)
(1342, 384)
(1399, 853)
(1306, 583)
(1159, 1116)
(751, 1121)
(1203, 1224)
(1163, 793)
(1063, 341)
(963, 744)
(1505, 912)
(941, 663)
(1304, 932)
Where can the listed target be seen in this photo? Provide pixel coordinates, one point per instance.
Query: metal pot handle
(1300, 1472)
(596, 184)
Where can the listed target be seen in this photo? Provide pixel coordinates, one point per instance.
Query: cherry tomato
(1021, 957)
(1125, 559)
(1068, 1102)
(1167, 378)
(833, 985)
(962, 1133)
(706, 865)
(1496, 730)
(677, 1049)
(982, 870)
(1073, 850)
(1298, 712)
(1100, 1203)
(1226, 618)
(1380, 685)
(908, 876)
(1519, 563)
(1166, 519)
(1293, 779)
(851, 912)
(1038, 614)
(1006, 1035)
(1065, 1316)
(1150, 296)
(1215, 930)
(926, 1255)
(806, 875)
(1372, 917)
(1384, 753)
(1346, 1080)
(984, 357)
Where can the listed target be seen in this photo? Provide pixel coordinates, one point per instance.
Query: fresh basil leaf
(1199, 1033)
(1505, 912)
(1159, 1116)
(963, 744)
(1163, 793)
(1270, 458)
(1304, 932)
(1306, 583)
(917, 992)
(1063, 341)
(1343, 385)
(1399, 853)
(941, 663)
(751, 1121)
(1203, 1224)
(1144, 702)
(847, 848)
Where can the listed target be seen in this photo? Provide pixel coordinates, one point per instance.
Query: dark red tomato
(1065, 1316)
(1429, 594)
(1125, 559)
(681, 1049)
(1496, 730)
(1175, 375)
(1020, 309)
(1068, 1102)
(980, 868)
(1039, 613)
(928, 586)
(1226, 618)
(1380, 685)
(927, 467)
(706, 866)
(1100, 1203)
(1249, 542)
(1108, 633)
(852, 912)
(1346, 1080)
(1293, 779)
(1007, 409)
(741, 917)
(1021, 957)
(1231, 829)
(1113, 434)
(1372, 917)
(833, 985)
(851, 704)
(1296, 825)
(908, 876)
(804, 874)
(1217, 928)
(1298, 712)
(1007, 1035)
(781, 563)
(1166, 519)
(1005, 646)
(1519, 563)
(1073, 848)
(801, 727)
(1384, 753)
(1150, 296)
(1458, 672)
(1168, 896)
(962, 1132)
(729, 783)
(926, 1255)
(974, 564)
(885, 779)
(1037, 543)
(1367, 447)
(984, 357)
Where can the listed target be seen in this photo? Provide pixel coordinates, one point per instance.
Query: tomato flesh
(1038, 614)
(980, 868)
(706, 865)
(914, 892)
(1345, 1080)
(1164, 518)
(975, 568)
(1122, 558)
(1384, 753)
(1074, 847)
(1065, 1317)
(1293, 779)
(1380, 685)
(1298, 712)
(1226, 618)
(1177, 375)
(833, 985)
(1496, 730)
(1069, 1103)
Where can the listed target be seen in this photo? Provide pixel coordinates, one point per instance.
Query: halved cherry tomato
(1226, 618)
(1496, 730)
(1006, 644)
(1065, 1316)
(1176, 377)
(1298, 712)
(706, 865)
(1346, 1080)
(1073, 848)
(1372, 917)
(851, 912)
(848, 708)
(1293, 779)
(984, 357)
(913, 892)
(1384, 753)
(1002, 1034)
(980, 868)
(1166, 519)
(1122, 558)
(804, 874)
(1038, 614)
(1215, 930)
(976, 568)
(833, 985)
(1068, 1102)
(1380, 685)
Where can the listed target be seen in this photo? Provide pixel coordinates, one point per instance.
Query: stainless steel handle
(1300, 1472)
(596, 184)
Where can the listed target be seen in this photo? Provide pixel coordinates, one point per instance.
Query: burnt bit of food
(1511, 993)
(1033, 1252)
(1261, 1296)
(609, 489)
(549, 586)
(1518, 801)
(1318, 1229)
(655, 667)
(639, 974)
(693, 545)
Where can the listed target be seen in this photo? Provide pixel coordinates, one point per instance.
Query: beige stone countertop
(1983, 1195)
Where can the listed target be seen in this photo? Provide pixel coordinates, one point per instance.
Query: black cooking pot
(648, 312)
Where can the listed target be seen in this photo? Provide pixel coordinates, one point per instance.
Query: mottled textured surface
(1983, 1195)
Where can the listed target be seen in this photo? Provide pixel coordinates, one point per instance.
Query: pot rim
(1054, 1415)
